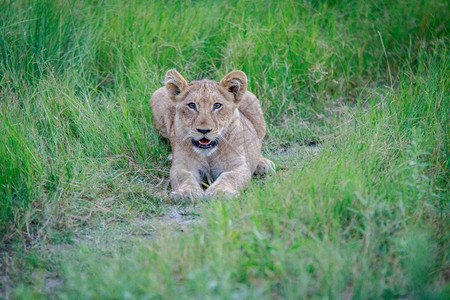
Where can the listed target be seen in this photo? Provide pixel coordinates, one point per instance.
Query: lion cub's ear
(175, 83)
(236, 83)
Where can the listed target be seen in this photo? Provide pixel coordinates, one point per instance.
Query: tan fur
(238, 125)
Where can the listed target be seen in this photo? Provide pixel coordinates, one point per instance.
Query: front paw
(213, 191)
(265, 166)
(187, 193)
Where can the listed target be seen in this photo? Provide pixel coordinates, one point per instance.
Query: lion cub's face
(205, 111)
(205, 107)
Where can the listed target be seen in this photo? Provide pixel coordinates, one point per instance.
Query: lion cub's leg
(229, 183)
(265, 166)
(184, 184)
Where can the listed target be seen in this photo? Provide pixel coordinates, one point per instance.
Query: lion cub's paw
(265, 166)
(187, 193)
(218, 190)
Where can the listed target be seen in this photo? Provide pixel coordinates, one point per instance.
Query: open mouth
(204, 143)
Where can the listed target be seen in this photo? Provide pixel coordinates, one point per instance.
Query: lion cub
(215, 130)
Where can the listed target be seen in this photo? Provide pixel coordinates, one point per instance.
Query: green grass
(84, 176)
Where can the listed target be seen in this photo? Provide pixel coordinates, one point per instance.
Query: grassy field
(356, 97)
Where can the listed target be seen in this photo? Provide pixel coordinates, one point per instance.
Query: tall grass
(365, 219)
(76, 131)
(76, 78)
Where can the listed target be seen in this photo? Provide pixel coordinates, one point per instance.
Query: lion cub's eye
(192, 106)
(217, 106)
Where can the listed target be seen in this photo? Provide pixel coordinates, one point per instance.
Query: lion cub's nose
(203, 131)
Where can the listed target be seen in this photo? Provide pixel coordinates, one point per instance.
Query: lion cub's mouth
(204, 143)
